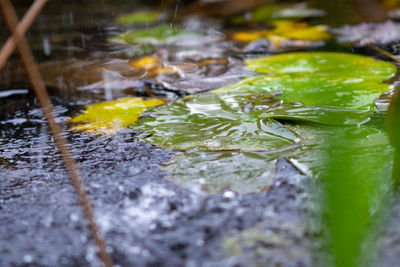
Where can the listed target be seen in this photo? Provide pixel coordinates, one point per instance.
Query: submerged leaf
(109, 117)
(215, 171)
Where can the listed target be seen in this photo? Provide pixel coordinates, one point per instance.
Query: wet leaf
(207, 122)
(138, 17)
(328, 88)
(215, 171)
(264, 13)
(163, 34)
(355, 196)
(152, 66)
(286, 30)
(368, 33)
(109, 117)
(241, 116)
(328, 64)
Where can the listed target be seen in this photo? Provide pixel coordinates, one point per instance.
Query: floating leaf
(329, 64)
(207, 122)
(284, 30)
(163, 34)
(322, 79)
(138, 17)
(241, 116)
(339, 86)
(109, 117)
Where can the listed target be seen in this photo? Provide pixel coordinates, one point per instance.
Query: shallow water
(156, 206)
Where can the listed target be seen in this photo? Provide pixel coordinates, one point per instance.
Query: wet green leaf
(215, 171)
(358, 178)
(326, 64)
(163, 34)
(208, 122)
(241, 116)
(330, 86)
(264, 13)
(109, 117)
(138, 17)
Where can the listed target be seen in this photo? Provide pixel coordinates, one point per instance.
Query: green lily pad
(316, 89)
(163, 34)
(207, 122)
(264, 12)
(324, 63)
(138, 17)
(328, 85)
(300, 87)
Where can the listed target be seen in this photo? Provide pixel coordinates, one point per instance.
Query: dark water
(150, 203)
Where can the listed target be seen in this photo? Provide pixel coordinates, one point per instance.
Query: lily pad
(139, 17)
(334, 80)
(241, 116)
(324, 63)
(163, 34)
(109, 117)
(207, 122)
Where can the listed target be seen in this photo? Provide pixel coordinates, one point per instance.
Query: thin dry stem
(59, 137)
(384, 52)
(23, 26)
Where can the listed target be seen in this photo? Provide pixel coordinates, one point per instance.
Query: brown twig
(23, 26)
(384, 52)
(59, 137)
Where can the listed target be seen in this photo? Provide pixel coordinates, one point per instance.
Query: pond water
(193, 184)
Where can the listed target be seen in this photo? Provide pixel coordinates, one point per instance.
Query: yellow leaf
(284, 30)
(108, 117)
(315, 33)
(249, 36)
(145, 63)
